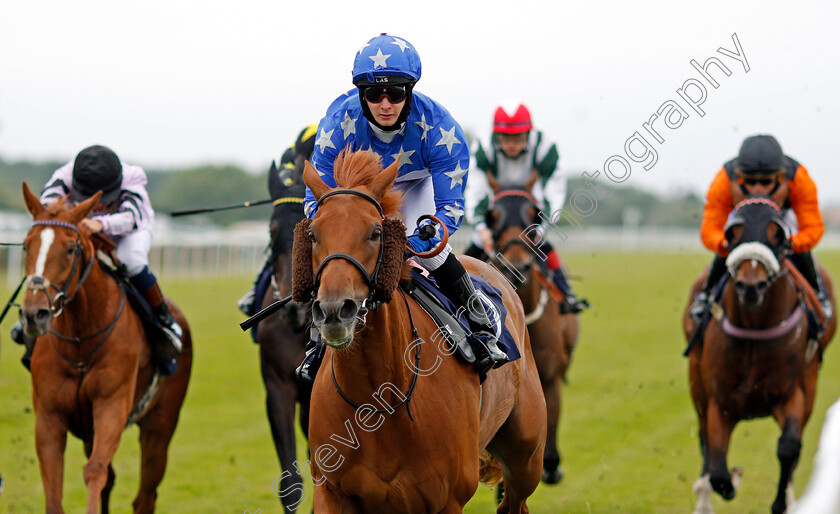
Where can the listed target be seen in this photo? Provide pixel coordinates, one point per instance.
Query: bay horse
(513, 219)
(92, 363)
(756, 358)
(398, 424)
(282, 338)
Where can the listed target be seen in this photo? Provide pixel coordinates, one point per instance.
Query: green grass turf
(628, 432)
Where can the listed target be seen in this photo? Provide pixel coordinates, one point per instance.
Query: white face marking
(754, 263)
(47, 237)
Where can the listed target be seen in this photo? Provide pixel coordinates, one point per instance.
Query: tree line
(216, 185)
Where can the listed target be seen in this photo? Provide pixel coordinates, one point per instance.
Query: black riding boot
(804, 262)
(312, 360)
(570, 303)
(703, 299)
(454, 281)
(167, 363)
(28, 342)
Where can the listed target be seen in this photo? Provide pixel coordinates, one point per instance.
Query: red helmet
(512, 118)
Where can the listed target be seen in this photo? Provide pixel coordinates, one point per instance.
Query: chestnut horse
(756, 358)
(282, 338)
(92, 362)
(397, 423)
(513, 219)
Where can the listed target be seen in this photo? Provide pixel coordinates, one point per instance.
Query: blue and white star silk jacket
(431, 146)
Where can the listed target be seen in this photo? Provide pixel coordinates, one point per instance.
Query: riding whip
(268, 311)
(221, 208)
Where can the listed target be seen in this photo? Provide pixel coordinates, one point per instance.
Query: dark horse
(756, 358)
(282, 338)
(92, 362)
(513, 219)
(413, 441)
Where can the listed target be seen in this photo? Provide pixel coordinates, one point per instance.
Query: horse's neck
(529, 292)
(779, 301)
(283, 273)
(376, 356)
(92, 306)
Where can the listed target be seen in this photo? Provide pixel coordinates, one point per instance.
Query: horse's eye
(312, 236)
(376, 234)
(71, 249)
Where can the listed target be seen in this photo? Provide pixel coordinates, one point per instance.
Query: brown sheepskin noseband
(385, 279)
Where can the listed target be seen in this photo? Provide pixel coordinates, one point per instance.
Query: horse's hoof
(552, 476)
(723, 486)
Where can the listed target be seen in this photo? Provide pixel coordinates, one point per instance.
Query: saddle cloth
(161, 349)
(453, 323)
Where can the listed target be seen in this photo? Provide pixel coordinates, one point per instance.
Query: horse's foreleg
(280, 406)
(109, 416)
(789, 417)
(718, 431)
(105, 496)
(552, 472)
(50, 442)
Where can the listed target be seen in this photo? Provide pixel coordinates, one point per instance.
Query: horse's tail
(489, 469)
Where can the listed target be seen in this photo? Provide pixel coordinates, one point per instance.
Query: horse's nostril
(762, 286)
(318, 315)
(348, 310)
(739, 285)
(37, 316)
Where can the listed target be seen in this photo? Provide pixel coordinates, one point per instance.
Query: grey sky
(178, 83)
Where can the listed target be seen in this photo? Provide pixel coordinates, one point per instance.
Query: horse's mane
(57, 207)
(354, 169)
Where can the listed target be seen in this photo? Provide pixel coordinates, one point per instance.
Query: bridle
(38, 283)
(370, 278)
(505, 223)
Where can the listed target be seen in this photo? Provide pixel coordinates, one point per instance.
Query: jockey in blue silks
(385, 115)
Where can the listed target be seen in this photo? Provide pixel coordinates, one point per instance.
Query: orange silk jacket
(797, 191)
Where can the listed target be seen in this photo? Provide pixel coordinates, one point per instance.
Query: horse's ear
(780, 194)
(82, 210)
(313, 181)
(276, 188)
(490, 218)
(494, 184)
(529, 184)
(733, 234)
(383, 182)
(775, 235)
(33, 204)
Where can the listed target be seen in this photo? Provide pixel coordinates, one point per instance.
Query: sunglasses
(761, 181)
(395, 94)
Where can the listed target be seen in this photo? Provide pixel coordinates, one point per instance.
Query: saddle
(553, 291)
(260, 288)
(453, 324)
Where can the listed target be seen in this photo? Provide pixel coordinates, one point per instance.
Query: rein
(81, 366)
(407, 397)
(37, 283)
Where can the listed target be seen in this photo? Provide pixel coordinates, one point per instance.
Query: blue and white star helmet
(386, 59)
